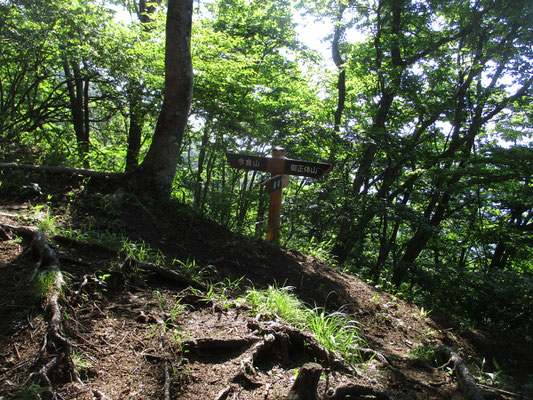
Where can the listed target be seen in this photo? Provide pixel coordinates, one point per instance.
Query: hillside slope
(132, 333)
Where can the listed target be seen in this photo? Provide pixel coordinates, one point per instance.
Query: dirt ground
(141, 336)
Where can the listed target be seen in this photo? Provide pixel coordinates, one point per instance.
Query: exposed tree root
(217, 344)
(166, 387)
(351, 390)
(42, 379)
(274, 338)
(368, 354)
(286, 334)
(305, 384)
(224, 393)
(60, 170)
(247, 382)
(55, 345)
(466, 381)
(163, 272)
(100, 395)
(259, 348)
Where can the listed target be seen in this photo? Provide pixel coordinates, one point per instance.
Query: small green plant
(178, 337)
(89, 233)
(424, 314)
(280, 302)
(48, 281)
(157, 328)
(221, 292)
(141, 251)
(425, 352)
(336, 332)
(193, 270)
(30, 391)
(161, 299)
(321, 251)
(177, 310)
(47, 222)
(495, 378)
(80, 362)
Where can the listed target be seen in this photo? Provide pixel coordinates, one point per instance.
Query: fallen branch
(466, 381)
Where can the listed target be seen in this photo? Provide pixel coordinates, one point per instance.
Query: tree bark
(305, 385)
(78, 90)
(156, 173)
(199, 172)
(467, 383)
(135, 133)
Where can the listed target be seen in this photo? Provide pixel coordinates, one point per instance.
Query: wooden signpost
(280, 168)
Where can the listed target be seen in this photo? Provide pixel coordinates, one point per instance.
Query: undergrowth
(335, 331)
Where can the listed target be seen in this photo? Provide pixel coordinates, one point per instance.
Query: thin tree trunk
(78, 91)
(261, 210)
(135, 134)
(210, 164)
(242, 206)
(200, 170)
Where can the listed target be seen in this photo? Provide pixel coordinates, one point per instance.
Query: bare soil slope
(136, 334)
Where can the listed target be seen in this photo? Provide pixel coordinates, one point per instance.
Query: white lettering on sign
(304, 168)
(249, 162)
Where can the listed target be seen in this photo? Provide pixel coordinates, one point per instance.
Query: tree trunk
(156, 173)
(78, 91)
(419, 240)
(199, 172)
(135, 135)
(210, 167)
(261, 210)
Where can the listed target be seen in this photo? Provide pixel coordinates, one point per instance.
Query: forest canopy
(423, 107)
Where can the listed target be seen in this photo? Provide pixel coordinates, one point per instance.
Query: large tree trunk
(157, 171)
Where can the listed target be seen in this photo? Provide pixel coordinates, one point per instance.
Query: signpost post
(280, 168)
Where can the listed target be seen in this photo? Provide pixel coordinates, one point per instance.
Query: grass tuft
(47, 282)
(273, 301)
(335, 331)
